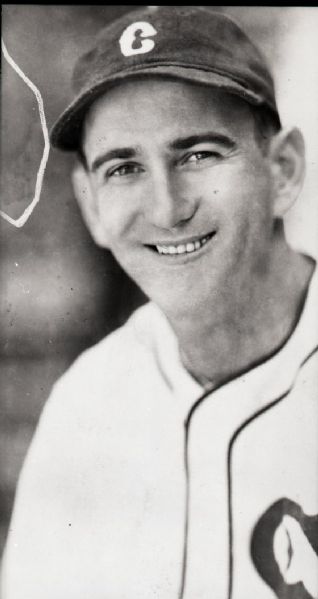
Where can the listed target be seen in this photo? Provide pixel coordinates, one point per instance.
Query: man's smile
(181, 247)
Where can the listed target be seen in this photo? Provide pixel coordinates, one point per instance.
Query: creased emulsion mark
(19, 222)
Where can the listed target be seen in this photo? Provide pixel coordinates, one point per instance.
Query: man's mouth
(183, 247)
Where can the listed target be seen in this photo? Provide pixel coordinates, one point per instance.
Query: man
(177, 458)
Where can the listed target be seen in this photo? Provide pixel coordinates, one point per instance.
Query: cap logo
(135, 38)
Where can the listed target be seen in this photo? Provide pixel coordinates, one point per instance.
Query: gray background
(60, 294)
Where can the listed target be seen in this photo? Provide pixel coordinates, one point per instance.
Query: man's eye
(124, 170)
(200, 156)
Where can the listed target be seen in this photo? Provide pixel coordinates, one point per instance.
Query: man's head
(184, 180)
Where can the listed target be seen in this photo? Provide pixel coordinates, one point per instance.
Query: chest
(199, 511)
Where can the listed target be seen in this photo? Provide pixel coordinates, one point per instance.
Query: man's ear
(287, 160)
(88, 204)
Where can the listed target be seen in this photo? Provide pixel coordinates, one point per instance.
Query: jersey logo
(284, 550)
(135, 39)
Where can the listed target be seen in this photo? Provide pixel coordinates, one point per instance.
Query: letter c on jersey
(132, 39)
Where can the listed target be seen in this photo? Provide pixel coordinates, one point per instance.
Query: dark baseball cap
(191, 43)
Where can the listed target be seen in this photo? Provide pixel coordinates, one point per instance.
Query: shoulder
(105, 372)
(95, 398)
(115, 353)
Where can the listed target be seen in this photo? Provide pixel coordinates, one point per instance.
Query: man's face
(183, 191)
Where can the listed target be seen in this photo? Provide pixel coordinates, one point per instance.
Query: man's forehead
(136, 105)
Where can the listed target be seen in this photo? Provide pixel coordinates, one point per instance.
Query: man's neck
(247, 326)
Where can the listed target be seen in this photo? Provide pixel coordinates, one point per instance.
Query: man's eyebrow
(111, 155)
(183, 143)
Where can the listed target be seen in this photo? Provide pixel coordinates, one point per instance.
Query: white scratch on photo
(19, 222)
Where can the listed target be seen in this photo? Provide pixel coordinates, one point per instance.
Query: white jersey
(140, 485)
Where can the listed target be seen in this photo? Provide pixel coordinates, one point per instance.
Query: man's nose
(169, 205)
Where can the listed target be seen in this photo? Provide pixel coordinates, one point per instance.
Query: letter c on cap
(133, 35)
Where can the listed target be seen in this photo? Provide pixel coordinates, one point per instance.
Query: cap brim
(66, 132)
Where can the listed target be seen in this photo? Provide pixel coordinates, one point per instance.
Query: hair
(267, 124)
(81, 155)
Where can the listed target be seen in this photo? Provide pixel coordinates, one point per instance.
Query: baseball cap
(191, 43)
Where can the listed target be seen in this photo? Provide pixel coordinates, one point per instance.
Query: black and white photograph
(159, 302)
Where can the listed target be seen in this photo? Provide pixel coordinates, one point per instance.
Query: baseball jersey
(139, 483)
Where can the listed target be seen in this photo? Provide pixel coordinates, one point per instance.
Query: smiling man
(168, 454)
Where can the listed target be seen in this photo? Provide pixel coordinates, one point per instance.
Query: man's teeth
(183, 248)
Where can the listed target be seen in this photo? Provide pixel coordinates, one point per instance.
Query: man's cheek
(115, 221)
